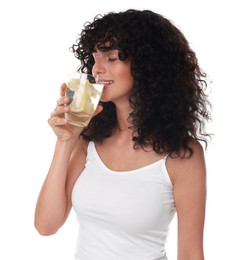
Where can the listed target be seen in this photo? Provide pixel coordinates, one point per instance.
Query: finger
(57, 121)
(63, 101)
(63, 89)
(60, 110)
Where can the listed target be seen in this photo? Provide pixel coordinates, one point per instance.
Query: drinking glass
(84, 93)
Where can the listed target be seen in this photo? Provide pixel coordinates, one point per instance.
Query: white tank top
(122, 215)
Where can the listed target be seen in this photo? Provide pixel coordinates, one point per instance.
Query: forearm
(52, 205)
(196, 255)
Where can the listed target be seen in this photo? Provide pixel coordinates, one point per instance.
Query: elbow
(45, 230)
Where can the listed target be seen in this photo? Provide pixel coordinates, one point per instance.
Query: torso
(118, 154)
(124, 208)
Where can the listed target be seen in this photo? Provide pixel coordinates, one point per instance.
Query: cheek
(123, 68)
(125, 75)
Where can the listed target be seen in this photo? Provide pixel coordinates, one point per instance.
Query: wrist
(66, 146)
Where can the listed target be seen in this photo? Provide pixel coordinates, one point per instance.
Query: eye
(112, 58)
(112, 55)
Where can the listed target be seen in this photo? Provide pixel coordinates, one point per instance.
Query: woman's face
(115, 74)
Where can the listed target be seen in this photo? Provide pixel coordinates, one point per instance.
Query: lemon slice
(73, 84)
(82, 93)
(78, 103)
(89, 106)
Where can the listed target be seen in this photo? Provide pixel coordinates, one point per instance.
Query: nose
(98, 67)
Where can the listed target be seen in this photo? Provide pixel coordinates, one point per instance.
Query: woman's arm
(54, 201)
(189, 177)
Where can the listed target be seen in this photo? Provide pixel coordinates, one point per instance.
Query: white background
(34, 60)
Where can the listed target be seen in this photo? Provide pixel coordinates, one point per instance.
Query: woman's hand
(59, 123)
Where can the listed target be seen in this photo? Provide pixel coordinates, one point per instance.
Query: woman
(140, 159)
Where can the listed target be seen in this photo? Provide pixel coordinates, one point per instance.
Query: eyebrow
(104, 50)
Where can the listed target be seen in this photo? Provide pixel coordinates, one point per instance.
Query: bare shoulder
(192, 167)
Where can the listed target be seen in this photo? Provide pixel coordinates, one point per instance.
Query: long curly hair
(168, 100)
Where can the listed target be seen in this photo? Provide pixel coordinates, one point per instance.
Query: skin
(188, 175)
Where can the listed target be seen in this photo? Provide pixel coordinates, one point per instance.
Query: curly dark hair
(168, 100)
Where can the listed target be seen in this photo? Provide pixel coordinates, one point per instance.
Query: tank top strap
(89, 147)
(165, 157)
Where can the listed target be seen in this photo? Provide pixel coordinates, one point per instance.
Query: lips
(105, 82)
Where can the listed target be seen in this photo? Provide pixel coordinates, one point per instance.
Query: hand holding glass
(84, 93)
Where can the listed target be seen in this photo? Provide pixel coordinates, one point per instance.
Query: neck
(124, 128)
(123, 123)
